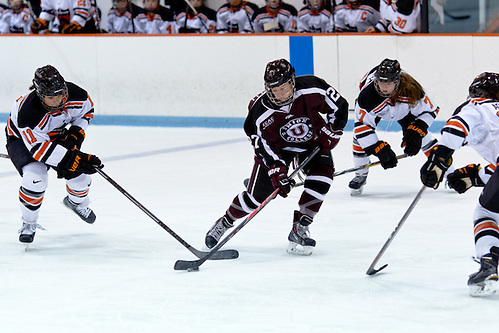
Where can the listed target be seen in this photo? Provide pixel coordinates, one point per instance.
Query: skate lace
(30, 227)
(302, 231)
(218, 230)
(85, 212)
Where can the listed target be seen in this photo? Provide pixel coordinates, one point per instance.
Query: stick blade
(224, 255)
(372, 271)
(186, 265)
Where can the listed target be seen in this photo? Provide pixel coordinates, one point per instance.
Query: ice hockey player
(356, 15)
(121, 17)
(45, 130)
(156, 19)
(285, 122)
(16, 19)
(203, 20)
(315, 17)
(389, 93)
(474, 123)
(67, 17)
(236, 16)
(276, 16)
(398, 17)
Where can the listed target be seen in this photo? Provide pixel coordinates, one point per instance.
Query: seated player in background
(236, 16)
(398, 17)
(156, 19)
(315, 17)
(121, 17)
(16, 19)
(276, 16)
(197, 18)
(356, 15)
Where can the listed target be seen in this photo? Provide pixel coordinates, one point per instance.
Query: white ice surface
(117, 275)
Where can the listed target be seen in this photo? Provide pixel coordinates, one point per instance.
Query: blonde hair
(410, 89)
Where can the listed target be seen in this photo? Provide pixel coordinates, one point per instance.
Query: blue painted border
(301, 54)
(209, 122)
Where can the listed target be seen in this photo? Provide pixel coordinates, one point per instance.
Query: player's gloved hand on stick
(328, 137)
(38, 25)
(413, 137)
(72, 137)
(278, 174)
(439, 160)
(462, 179)
(384, 152)
(71, 28)
(75, 162)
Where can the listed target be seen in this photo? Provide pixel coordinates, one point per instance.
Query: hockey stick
(339, 173)
(4, 155)
(371, 270)
(226, 254)
(182, 265)
(463, 17)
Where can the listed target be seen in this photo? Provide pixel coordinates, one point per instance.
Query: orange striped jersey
(371, 108)
(205, 21)
(161, 21)
(348, 19)
(66, 11)
(236, 20)
(123, 23)
(401, 17)
(12, 22)
(283, 21)
(474, 123)
(310, 21)
(30, 122)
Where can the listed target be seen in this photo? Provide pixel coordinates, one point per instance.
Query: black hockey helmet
(276, 74)
(48, 82)
(387, 71)
(485, 85)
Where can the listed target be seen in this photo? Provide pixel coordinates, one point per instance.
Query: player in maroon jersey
(288, 120)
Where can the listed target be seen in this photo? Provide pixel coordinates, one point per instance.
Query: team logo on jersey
(297, 130)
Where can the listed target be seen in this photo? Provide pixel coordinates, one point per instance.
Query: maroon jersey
(279, 134)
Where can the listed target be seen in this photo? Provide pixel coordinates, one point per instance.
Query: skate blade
(486, 288)
(356, 192)
(299, 250)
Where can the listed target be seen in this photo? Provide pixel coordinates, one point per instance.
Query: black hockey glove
(74, 163)
(39, 25)
(328, 137)
(71, 28)
(462, 179)
(72, 137)
(384, 152)
(413, 137)
(278, 174)
(439, 160)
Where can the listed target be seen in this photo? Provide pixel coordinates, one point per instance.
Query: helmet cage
(277, 73)
(388, 71)
(485, 85)
(48, 82)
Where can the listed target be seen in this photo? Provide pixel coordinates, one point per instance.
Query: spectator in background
(276, 16)
(314, 17)
(16, 19)
(236, 16)
(197, 19)
(121, 17)
(156, 19)
(67, 17)
(398, 17)
(356, 15)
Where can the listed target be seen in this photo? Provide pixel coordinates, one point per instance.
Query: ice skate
(85, 213)
(27, 232)
(484, 282)
(356, 185)
(216, 232)
(300, 242)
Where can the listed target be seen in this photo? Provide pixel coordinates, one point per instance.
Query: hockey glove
(39, 25)
(74, 163)
(439, 160)
(72, 137)
(384, 152)
(278, 174)
(464, 178)
(413, 137)
(328, 137)
(71, 28)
